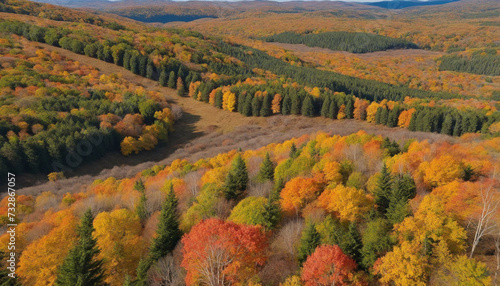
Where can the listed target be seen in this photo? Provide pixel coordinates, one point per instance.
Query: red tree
(216, 252)
(328, 265)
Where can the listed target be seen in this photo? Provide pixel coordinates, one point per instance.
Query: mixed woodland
(320, 209)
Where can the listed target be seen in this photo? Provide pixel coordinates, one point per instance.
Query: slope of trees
(343, 41)
(344, 210)
(485, 63)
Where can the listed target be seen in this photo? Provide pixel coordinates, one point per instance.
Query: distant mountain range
(391, 4)
(397, 4)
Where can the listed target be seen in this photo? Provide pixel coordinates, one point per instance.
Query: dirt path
(203, 131)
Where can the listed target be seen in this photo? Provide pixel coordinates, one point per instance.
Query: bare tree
(211, 269)
(166, 272)
(288, 238)
(485, 222)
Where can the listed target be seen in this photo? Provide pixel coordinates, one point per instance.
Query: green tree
(81, 267)
(265, 110)
(171, 80)
(325, 108)
(308, 107)
(140, 209)
(168, 232)
(287, 105)
(376, 241)
(383, 190)
(293, 151)
(352, 243)
(272, 209)
(163, 78)
(218, 99)
(256, 106)
(309, 241)
(236, 180)
(266, 171)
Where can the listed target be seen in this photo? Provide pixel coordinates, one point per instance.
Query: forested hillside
(230, 77)
(233, 151)
(290, 213)
(343, 41)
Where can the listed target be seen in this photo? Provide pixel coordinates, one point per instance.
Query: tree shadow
(184, 132)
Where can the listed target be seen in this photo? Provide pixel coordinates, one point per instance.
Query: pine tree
(163, 77)
(447, 127)
(247, 105)
(168, 233)
(309, 241)
(256, 106)
(267, 168)
(296, 104)
(150, 69)
(180, 72)
(287, 105)
(81, 267)
(272, 210)
(218, 99)
(265, 110)
(236, 180)
(325, 108)
(349, 107)
(171, 80)
(308, 107)
(383, 190)
(293, 151)
(126, 60)
(140, 209)
(333, 111)
(352, 243)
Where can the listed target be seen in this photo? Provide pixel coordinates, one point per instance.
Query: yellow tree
(348, 204)
(118, 237)
(228, 101)
(40, 260)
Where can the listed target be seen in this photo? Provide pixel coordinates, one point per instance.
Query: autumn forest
(249, 143)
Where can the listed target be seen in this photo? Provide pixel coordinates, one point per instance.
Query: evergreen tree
(163, 77)
(168, 233)
(293, 151)
(383, 116)
(272, 210)
(247, 105)
(447, 127)
(349, 107)
(218, 99)
(255, 106)
(325, 108)
(134, 64)
(265, 110)
(308, 107)
(126, 60)
(171, 80)
(309, 241)
(457, 130)
(376, 241)
(236, 180)
(140, 209)
(352, 243)
(333, 111)
(267, 168)
(286, 107)
(403, 190)
(81, 267)
(180, 72)
(383, 190)
(150, 69)
(296, 104)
